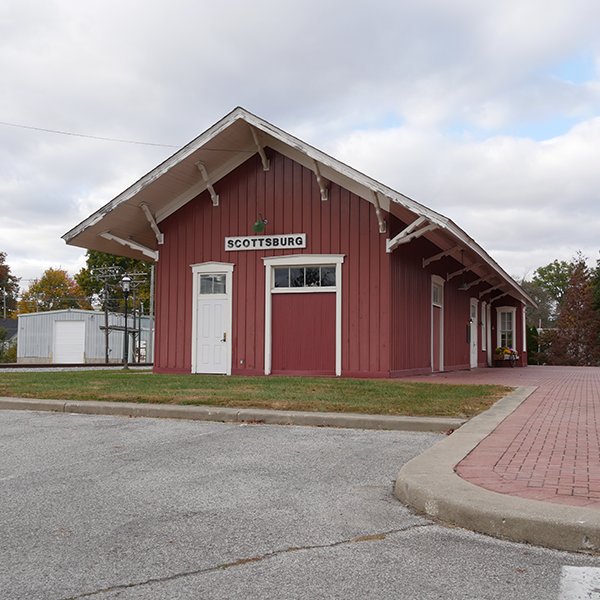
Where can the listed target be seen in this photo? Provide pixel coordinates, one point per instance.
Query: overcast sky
(488, 112)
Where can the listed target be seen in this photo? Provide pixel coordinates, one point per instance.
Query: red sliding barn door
(303, 333)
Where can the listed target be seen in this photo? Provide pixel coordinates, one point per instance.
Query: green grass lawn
(386, 397)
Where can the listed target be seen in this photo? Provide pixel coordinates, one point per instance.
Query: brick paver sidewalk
(549, 448)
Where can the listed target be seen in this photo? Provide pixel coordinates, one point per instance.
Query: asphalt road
(111, 507)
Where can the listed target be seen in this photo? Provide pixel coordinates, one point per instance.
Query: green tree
(575, 341)
(93, 287)
(8, 351)
(54, 290)
(9, 285)
(553, 278)
(544, 315)
(596, 286)
(532, 344)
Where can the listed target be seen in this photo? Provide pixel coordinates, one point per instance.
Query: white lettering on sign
(266, 242)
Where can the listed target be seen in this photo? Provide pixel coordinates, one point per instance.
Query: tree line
(564, 329)
(56, 290)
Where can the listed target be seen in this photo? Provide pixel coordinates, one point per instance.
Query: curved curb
(429, 484)
(234, 415)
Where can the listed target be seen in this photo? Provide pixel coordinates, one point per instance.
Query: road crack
(242, 561)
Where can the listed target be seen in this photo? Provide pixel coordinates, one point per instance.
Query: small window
(302, 277)
(213, 284)
(282, 277)
(297, 277)
(436, 294)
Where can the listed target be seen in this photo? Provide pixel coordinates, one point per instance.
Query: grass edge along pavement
(232, 415)
(296, 394)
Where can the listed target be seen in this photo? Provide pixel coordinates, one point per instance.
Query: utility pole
(106, 275)
(111, 277)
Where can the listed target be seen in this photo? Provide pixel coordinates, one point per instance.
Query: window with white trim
(437, 294)
(524, 329)
(213, 283)
(506, 334)
(484, 326)
(304, 276)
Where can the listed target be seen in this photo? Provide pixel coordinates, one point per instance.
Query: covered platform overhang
(129, 225)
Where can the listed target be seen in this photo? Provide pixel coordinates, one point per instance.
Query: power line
(93, 137)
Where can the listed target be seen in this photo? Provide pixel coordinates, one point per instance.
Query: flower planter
(501, 358)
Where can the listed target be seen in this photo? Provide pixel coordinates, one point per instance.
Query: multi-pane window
(301, 277)
(213, 283)
(506, 329)
(484, 325)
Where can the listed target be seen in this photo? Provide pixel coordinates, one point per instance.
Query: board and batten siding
(288, 196)
(411, 300)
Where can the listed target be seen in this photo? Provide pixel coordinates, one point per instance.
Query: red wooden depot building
(274, 258)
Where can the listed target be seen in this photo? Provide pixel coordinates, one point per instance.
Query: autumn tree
(576, 339)
(9, 288)
(54, 290)
(93, 287)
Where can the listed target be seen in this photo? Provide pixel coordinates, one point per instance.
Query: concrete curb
(429, 484)
(234, 415)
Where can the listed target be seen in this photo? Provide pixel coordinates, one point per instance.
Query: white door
(69, 342)
(212, 336)
(473, 336)
(212, 318)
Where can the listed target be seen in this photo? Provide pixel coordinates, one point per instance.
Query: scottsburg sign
(263, 242)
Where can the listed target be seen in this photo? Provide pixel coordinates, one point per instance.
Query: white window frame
(524, 315)
(303, 260)
(474, 325)
(436, 280)
(484, 326)
(218, 268)
(489, 334)
(499, 311)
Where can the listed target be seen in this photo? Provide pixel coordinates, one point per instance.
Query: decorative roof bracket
(321, 182)
(153, 254)
(380, 219)
(489, 290)
(428, 261)
(409, 233)
(160, 237)
(498, 297)
(265, 161)
(470, 285)
(209, 187)
(449, 276)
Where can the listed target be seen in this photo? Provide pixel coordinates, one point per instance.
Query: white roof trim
(283, 142)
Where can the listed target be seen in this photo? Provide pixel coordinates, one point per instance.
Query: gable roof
(129, 225)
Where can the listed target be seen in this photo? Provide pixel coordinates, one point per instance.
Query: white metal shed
(74, 336)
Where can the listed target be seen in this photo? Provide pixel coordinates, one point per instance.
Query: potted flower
(506, 353)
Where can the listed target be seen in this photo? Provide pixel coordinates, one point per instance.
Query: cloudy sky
(488, 112)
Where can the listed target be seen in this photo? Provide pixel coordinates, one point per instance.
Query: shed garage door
(69, 342)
